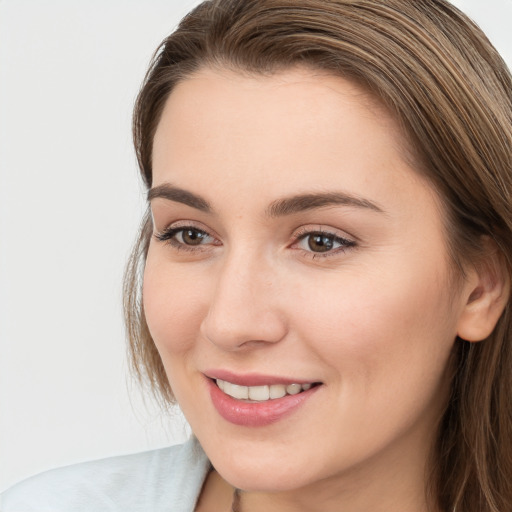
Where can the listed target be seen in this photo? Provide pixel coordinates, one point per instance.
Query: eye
(191, 236)
(185, 237)
(319, 242)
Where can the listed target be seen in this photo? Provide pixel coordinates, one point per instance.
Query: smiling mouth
(262, 393)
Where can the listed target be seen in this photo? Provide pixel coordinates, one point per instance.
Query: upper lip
(253, 379)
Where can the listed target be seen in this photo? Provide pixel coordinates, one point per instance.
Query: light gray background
(70, 203)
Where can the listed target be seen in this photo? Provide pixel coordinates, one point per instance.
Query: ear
(486, 291)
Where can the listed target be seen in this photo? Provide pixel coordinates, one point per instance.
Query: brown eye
(186, 237)
(319, 242)
(191, 236)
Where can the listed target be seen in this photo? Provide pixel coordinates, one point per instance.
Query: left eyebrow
(179, 195)
(304, 202)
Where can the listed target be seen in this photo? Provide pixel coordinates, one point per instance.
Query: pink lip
(256, 414)
(253, 379)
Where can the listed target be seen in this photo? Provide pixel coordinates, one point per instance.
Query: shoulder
(165, 479)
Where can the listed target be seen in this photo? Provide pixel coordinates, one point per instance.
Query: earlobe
(487, 293)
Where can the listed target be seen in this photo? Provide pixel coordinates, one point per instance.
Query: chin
(262, 480)
(258, 471)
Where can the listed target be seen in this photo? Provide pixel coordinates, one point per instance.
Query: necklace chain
(235, 504)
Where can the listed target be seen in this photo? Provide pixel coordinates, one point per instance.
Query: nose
(244, 306)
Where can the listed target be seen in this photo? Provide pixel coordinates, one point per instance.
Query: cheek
(376, 328)
(385, 345)
(172, 306)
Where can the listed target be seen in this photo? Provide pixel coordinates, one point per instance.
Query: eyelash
(169, 236)
(344, 243)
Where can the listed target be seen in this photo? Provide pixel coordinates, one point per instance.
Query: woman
(327, 261)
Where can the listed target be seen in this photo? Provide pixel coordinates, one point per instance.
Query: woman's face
(295, 245)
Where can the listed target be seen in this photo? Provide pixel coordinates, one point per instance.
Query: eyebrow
(304, 202)
(172, 193)
(278, 208)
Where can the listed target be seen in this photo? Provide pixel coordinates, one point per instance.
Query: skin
(374, 321)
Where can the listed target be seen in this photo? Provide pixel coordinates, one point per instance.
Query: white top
(165, 480)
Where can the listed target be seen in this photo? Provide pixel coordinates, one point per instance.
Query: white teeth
(293, 389)
(236, 391)
(277, 391)
(260, 393)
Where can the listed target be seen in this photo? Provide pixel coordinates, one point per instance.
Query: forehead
(290, 132)
(296, 91)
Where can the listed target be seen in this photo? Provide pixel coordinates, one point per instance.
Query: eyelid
(327, 230)
(347, 241)
(183, 224)
(167, 235)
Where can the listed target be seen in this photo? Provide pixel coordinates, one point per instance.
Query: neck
(358, 492)
(381, 485)
(358, 498)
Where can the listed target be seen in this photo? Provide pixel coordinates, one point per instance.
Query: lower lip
(256, 414)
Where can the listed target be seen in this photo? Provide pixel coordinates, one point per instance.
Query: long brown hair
(450, 91)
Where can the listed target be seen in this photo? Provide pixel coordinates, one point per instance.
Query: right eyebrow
(172, 193)
(304, 202)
